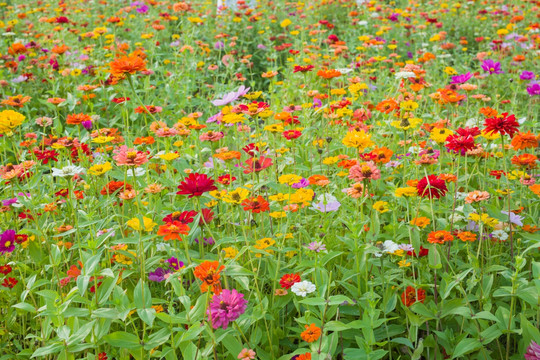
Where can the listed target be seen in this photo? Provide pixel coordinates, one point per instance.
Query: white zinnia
(303, 288)
(390, 247)
(70, 170)
(404, 75)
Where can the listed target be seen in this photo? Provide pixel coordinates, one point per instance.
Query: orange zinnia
(172, 230)
(208, 273)
(127, 65)
(439, 237)
(328, 74)
(76, 119)
(525, 160)
(466, 236)
(387, 106)
(16, 101)
(382, 154)
(524, 141)
(311, 334)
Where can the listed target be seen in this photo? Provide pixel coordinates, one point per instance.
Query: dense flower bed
(294, 180)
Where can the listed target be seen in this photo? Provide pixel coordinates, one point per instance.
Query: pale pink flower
(364, 171)
(44, 121)
(211, 136)
(166, 132)
(476, 196)
(129, 157)
(247, 354)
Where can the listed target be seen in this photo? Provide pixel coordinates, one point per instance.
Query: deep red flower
(423, 252)
(497, 173)
(474, 131)
(299, 68)
(256, 204)
(5, 269)
(432, 187)
(288, 280)
(46, 155)
(460, 144)
(10, 282)
(502, 124)
(412, 295)
(251, 149)
(185, 217)
(196, 184)
(207, 215)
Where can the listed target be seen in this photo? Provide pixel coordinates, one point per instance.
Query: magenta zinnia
(226, 308)
(196, 184)
(432, 187)
(7, 241)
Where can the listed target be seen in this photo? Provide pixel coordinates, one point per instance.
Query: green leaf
(26, 307)
(313, 301)
(434, 258)
(47, 350)
(147, 315)
(123, 339)
(466, 346)
(142, 296)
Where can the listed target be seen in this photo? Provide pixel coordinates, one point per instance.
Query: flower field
(321, 180)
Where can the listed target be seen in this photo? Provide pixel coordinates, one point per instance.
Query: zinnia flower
(502, 124)
(303, 288)
(289, 280)
(7, 241)
(127, 65)
(196, 184)
(208, 273)
(311, 334)
(226, 308)
(533, 351)
(432, 187)
(412, 295)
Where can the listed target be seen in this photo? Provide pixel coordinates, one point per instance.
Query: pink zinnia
(167, 132)
(364, 171)
(247, 354)
(226, 308)
(129, 157)
(533, 351)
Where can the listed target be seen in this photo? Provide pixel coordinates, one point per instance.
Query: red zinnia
(207, 215)
(10, 282)
(226, 179)
(196, 184)
(256, 204)
(5, 269)
(459, 143)
(412, 295)
(300, 68)
(292, 134)
(432, 187)
(256, 165)
(288, 280)
(502, 124)
(185, 217)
